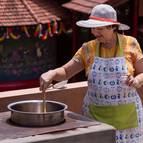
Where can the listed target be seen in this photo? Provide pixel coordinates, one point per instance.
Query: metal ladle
(58, 85)
(44, 101)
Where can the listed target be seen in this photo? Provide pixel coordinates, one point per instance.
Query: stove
(76, 128)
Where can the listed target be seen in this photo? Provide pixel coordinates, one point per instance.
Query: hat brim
(91, 23)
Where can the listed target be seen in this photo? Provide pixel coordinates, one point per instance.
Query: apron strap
(97, 49)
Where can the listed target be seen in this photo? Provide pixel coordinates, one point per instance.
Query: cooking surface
(72, 121)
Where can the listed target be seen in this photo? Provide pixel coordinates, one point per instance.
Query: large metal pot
(30, 113)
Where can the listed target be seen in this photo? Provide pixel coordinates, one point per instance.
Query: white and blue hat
(102, 15)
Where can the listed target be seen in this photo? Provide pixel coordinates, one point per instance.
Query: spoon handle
(44, 101)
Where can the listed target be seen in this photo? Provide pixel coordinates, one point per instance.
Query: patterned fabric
(132, 52)
(105, 87)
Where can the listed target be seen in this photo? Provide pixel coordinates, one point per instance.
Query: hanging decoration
(38, 30)
(55, 27)
(2, 38)
(25, 29)
(45, 35)
(49, 29)
(62, 28)
(41, 31)
(12, 35)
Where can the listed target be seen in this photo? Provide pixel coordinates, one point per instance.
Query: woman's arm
(137, 80)
(65, 72)
(139, 72)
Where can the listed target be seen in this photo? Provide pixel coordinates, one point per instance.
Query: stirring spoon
(44, 101)
(58, 85)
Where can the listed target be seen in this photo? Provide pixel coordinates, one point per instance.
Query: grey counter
(102, 133)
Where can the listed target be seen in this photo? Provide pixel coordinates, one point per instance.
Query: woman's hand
(132, 81)
(46, 79)
(59, 74)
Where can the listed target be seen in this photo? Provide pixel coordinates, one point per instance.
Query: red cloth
(14, 85)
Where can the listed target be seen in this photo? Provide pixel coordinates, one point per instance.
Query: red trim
(14, 85)
(103, 19)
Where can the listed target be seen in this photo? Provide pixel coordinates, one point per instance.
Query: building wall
(140, 7)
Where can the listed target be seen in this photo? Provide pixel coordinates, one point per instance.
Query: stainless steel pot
(30, 113)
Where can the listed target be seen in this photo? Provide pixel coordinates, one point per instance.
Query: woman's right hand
(46, 79)
(59, 74)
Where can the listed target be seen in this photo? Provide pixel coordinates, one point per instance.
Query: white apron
(106, 88)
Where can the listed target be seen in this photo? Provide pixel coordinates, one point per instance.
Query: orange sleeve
(80, 55)
(85, 55)
(136, 52)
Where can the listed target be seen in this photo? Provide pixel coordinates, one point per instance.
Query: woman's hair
(114, 27)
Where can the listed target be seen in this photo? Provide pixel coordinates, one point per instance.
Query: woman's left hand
(132, 81)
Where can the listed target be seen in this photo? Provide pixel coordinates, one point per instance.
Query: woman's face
(103, 34)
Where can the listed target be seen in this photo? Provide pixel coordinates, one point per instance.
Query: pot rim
(9, 106)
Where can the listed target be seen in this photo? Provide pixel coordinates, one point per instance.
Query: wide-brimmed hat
(102, 15)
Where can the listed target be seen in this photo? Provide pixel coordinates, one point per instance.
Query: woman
(114, 66)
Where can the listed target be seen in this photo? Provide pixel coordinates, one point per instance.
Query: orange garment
(131, 51)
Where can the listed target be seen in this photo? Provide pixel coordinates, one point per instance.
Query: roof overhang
(85, 6)
(29, 12)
